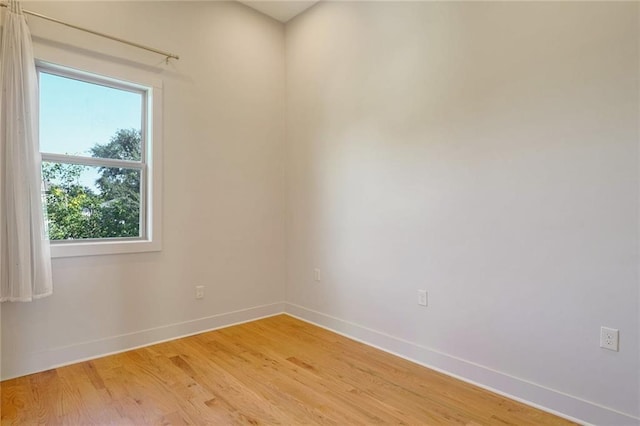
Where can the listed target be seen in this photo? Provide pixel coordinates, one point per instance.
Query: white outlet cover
(609, 338)
(199, 292)
(422, 297)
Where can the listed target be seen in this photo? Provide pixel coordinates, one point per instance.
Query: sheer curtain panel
(25, 261)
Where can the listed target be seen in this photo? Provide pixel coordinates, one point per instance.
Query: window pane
(81, 118)
(91, 202)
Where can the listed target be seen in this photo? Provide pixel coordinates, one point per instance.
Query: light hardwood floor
(277, 370)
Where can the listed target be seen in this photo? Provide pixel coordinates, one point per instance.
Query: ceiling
(282, 10)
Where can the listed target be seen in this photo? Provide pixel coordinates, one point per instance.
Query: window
(100, 176)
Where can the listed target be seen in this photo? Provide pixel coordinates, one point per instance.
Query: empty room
(320, 212)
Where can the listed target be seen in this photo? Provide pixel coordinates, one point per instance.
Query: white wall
(486, 152)
(223, 183)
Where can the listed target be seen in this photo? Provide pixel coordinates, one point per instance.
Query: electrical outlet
(422, 297)
(199, 292)
(609, 338)
(316, 274)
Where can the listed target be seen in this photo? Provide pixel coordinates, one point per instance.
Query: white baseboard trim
(552, 401)
(58, 357)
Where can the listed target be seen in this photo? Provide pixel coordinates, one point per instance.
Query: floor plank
(277, 370)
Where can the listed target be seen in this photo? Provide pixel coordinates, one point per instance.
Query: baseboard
(555, 402)
(29, 363)
(549, 400)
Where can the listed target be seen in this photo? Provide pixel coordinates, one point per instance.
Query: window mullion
(91, 161)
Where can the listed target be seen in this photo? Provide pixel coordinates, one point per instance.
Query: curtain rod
(118, 39)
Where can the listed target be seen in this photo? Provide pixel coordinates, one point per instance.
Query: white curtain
(25, 261)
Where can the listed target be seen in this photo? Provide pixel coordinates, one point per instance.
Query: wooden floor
(273, 371)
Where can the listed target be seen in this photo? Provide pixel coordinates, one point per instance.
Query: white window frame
(150, 167)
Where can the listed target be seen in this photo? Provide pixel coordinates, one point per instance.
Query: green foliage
(124, 145)
(76, 211)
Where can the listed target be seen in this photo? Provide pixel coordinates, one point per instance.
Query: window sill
(98, 248)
